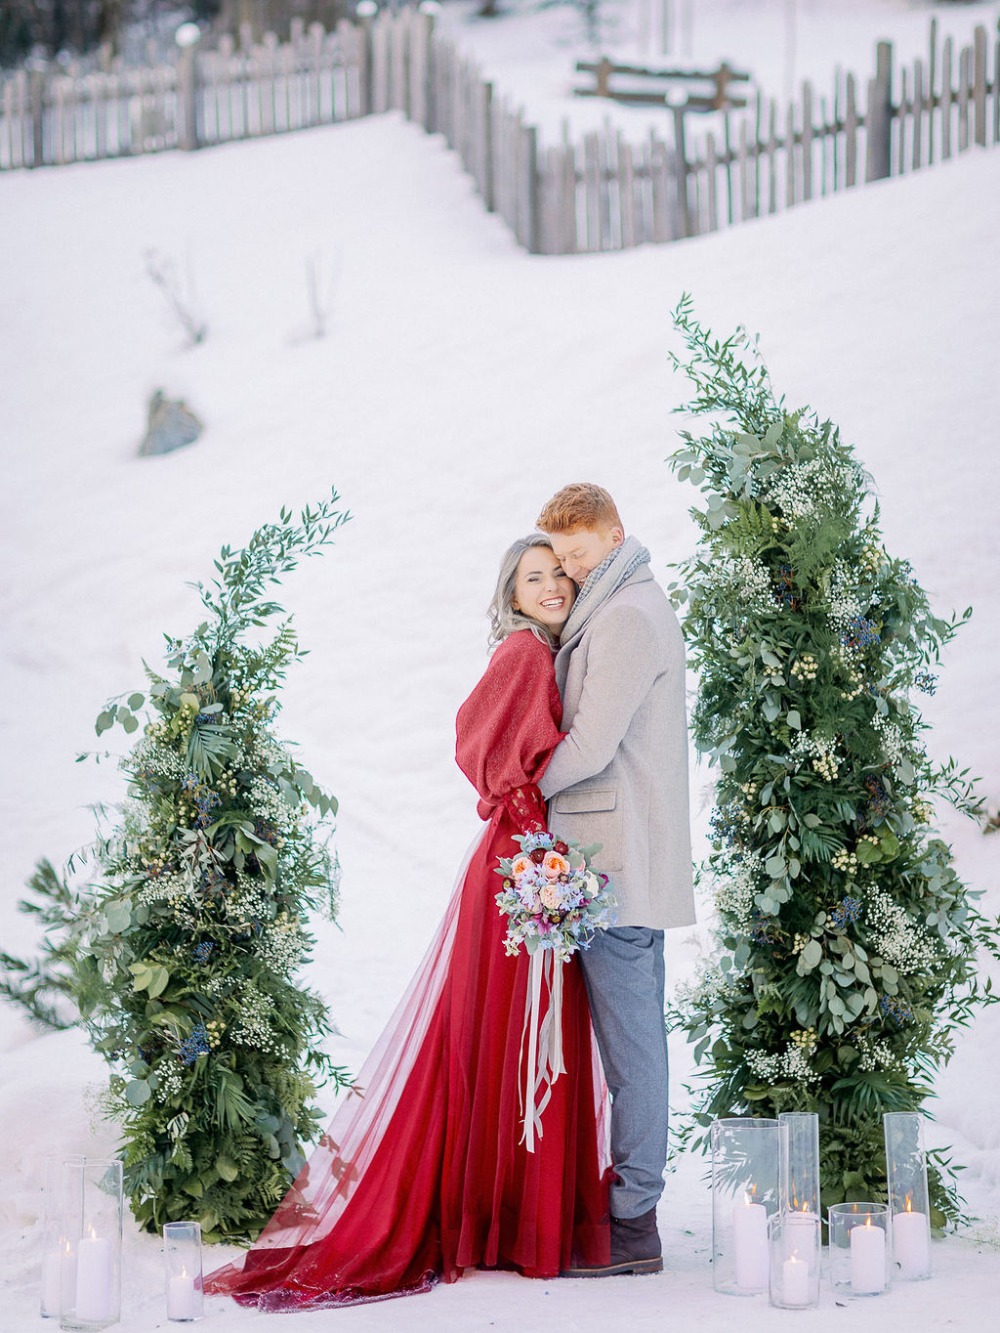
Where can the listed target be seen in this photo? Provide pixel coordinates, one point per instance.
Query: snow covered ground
(460, 383)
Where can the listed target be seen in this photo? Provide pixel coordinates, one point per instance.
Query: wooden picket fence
(49, 117)
(596, 192)
(777, 157)
(603, 192)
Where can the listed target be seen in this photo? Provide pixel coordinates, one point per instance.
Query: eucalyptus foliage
(179, 955)
(845, 958)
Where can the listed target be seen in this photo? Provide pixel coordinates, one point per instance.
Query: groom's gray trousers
(624, 974)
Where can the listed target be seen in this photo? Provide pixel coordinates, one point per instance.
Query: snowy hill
(461, 382)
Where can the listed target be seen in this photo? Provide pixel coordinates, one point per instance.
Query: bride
(425, 1170)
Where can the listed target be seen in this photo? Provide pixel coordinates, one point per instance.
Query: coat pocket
(588, 816)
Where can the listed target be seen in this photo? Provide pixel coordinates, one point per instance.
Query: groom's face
(582, 550)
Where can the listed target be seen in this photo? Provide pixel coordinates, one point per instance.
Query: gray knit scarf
(603, 582)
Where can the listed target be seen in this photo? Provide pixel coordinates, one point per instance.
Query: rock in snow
(170, 425)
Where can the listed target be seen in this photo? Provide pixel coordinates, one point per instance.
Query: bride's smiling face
(541, 589)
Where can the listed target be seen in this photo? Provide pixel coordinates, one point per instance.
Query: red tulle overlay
(422, 1172)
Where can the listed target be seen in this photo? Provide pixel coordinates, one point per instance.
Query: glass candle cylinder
(794, 1249)
(182, 1271)
(800, 1163)
(860, 1249)
(909, 1202)
(55, 1209)
(746, 1156)
(91, 1276)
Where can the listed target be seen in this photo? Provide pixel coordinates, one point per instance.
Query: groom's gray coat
(620, 777)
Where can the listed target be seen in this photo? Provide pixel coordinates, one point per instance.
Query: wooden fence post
(659, 198)
(711, 185)
(681, 172)
(807, 140)
(187, 37)
(400, 49)
(489, 186)
(529, 187)
(317, 34)
(932, 64)
(366, 12)
(964, 81)
(99, 101)
(429, 12)
(851, 134)
(791, 175)
(567, 196)
(918, 114)
(878, 117)
(728, 162)
(979, 85)
(36, 104)
(626, 194)
(592, 189)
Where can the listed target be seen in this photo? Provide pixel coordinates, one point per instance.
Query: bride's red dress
(422, 1172)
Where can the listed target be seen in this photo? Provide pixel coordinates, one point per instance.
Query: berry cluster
(847, 911)
(805, 667)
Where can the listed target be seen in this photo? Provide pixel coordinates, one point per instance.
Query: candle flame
(909, 1203)
(91, 1233)
(868, 1221)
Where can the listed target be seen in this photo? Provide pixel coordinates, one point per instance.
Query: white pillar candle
(93, 1279)
(867, 1259)
(182, 1299)
(67, 1277)
(911, 1243)
(51, 1281)
(797, 1232)
(750, 1245)
(795, 1281)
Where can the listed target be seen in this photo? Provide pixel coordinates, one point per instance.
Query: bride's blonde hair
(504, 620)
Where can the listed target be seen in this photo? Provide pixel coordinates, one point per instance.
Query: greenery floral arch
(845, 943)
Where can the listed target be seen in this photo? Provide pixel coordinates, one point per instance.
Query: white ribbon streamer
(545, 1045)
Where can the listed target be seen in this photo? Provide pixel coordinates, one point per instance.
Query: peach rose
(520, 865)
(549, 895)
(555, 865)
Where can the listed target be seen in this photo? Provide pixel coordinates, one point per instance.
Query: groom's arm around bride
(620, 778)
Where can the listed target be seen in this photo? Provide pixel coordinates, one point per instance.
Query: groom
(620, 778)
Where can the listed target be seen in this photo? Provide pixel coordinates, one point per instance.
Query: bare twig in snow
(179, 295)
(320, 290)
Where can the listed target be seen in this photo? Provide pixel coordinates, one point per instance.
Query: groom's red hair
(580, 505)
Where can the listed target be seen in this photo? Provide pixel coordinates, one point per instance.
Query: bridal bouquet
(555, 903)
(553, 897)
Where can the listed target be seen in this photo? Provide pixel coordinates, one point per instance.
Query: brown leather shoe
(635, 1248)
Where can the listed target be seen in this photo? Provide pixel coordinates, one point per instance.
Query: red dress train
(422, 1172)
